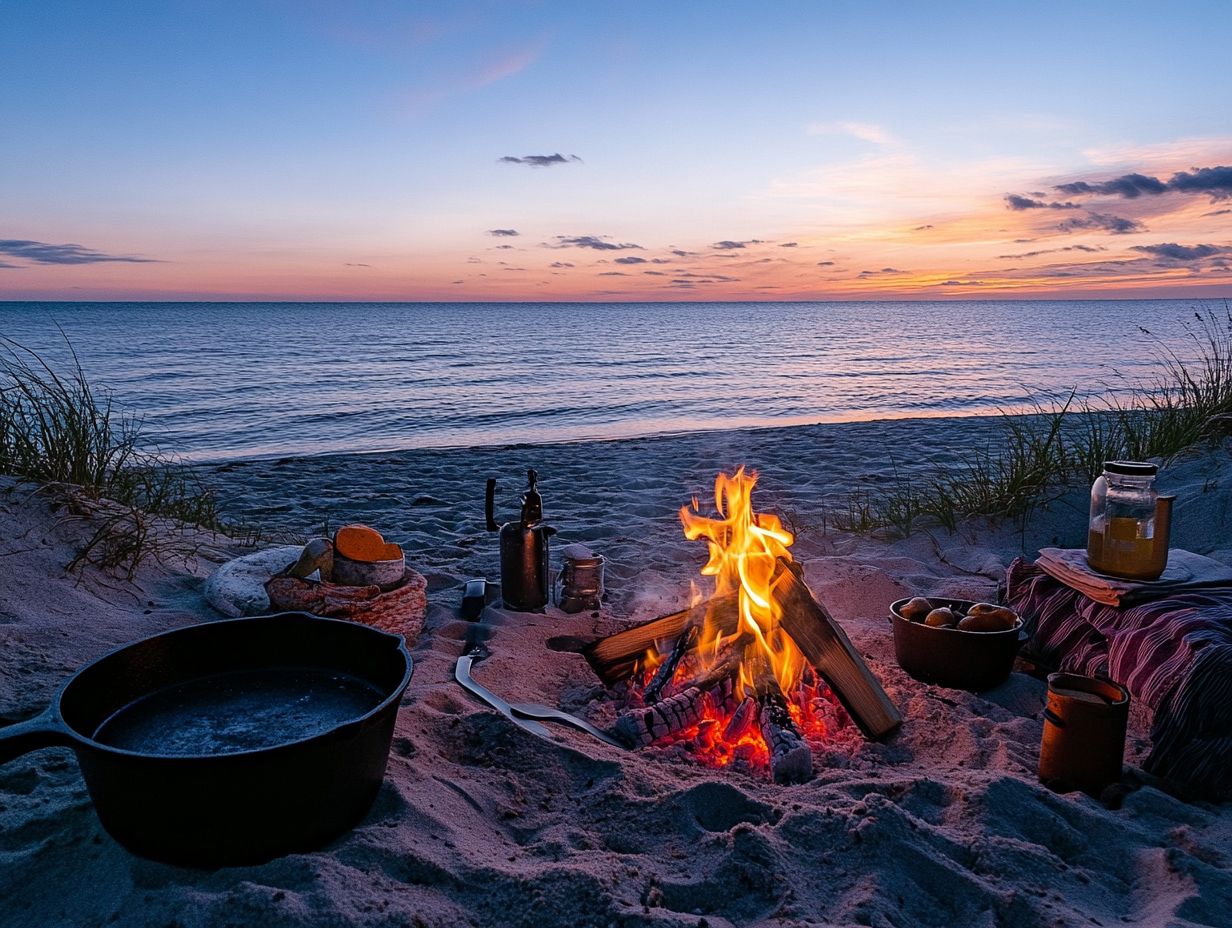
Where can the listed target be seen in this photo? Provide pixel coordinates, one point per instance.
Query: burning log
(664, 672)
(791, 760)
(742, 721)
(683, 710)
(827, 647)
(614, 658)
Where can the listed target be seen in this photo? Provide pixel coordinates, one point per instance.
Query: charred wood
(665, 671)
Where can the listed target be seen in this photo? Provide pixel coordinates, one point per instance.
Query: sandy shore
(481, 823)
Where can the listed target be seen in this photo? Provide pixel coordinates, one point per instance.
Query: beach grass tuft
(57, 430)
(1067, 440)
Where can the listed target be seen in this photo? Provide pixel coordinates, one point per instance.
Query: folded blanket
(1185, 571)
(1173, 654)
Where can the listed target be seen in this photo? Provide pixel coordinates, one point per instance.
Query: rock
(237, 588)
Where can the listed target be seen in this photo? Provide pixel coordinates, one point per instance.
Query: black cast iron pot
(963, 660)
(230, 742)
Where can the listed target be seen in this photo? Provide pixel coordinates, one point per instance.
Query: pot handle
(42, 731)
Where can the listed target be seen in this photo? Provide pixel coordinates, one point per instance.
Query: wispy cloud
(594, 242)
(45, 253)
(1016, 202)
(728, 244)
(884, 272)
(503, 233)
(1117, 225)
(539, 161)
(864, 131)
(631, 259)
(1186, 253)
(1050, 251)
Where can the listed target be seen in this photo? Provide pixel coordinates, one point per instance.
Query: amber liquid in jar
(1119, 550)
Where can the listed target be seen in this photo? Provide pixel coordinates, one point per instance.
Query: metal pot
(963, 660)
(230, 742)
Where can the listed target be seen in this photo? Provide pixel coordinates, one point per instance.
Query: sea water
(214, 381)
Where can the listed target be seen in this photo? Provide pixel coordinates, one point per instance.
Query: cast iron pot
(963, 660)
(297, 713)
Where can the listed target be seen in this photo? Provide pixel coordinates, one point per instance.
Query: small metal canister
(581, 579)
(1083, 745)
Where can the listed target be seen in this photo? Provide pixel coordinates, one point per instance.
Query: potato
(915, 609)
(999, 621)
(980, 608)
(941, 618)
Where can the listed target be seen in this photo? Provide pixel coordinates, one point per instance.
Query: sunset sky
(646, 151)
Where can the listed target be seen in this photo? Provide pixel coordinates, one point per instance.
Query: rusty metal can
(1083, 744)
(581, 579)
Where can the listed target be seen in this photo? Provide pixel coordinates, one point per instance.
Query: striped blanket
(1174, 654)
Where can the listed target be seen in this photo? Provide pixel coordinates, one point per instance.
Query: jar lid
(1131, 468)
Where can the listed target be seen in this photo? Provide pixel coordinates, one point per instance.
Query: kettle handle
(490, 505)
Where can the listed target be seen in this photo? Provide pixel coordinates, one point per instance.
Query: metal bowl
(951, 657)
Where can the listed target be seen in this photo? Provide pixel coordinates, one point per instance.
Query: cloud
(560, 264)
(1117, 225)
(613, 274)
(686, 276)
(503, 233)
(1174, 252)
(1127, 185)
(1016, 202)
(962, 283)
(825, 264)
(788, 244)
(864, 131)
(1215, 181)
(681, 253)
(356, 264)
(44, 253)
(6, 264)
(503, 247)
(595, 242)
(1218, 212)
(539, 161)
(882, 272)
(728, 244)
(923, 228)
(1050, 251)
(631, 259)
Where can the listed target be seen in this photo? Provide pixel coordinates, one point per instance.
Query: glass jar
(1121, 537)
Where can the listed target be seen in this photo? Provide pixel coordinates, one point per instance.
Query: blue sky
(329, 149)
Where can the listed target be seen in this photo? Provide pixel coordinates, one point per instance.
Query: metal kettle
(523, 550)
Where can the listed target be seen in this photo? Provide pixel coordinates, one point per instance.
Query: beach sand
(482, 823)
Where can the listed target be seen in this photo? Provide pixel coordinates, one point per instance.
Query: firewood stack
(673, 708)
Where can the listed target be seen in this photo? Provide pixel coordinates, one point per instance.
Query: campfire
(753, 673)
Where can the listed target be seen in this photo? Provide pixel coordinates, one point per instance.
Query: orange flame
(744, 550)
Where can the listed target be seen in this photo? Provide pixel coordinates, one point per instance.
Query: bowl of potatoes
(955, 642)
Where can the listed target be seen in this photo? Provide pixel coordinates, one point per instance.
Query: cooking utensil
(963, 660)
(230, 742)
(477, 651)
(526, 710)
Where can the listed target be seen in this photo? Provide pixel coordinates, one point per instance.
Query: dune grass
(58, 431)
(1066, 441)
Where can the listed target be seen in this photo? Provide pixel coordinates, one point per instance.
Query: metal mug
(1083, 745)
(581, 579)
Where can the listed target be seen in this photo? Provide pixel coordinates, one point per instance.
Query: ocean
(221, 381)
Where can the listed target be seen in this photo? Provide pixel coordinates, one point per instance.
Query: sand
(482, 823)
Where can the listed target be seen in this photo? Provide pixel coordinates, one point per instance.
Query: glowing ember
(744, 550)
